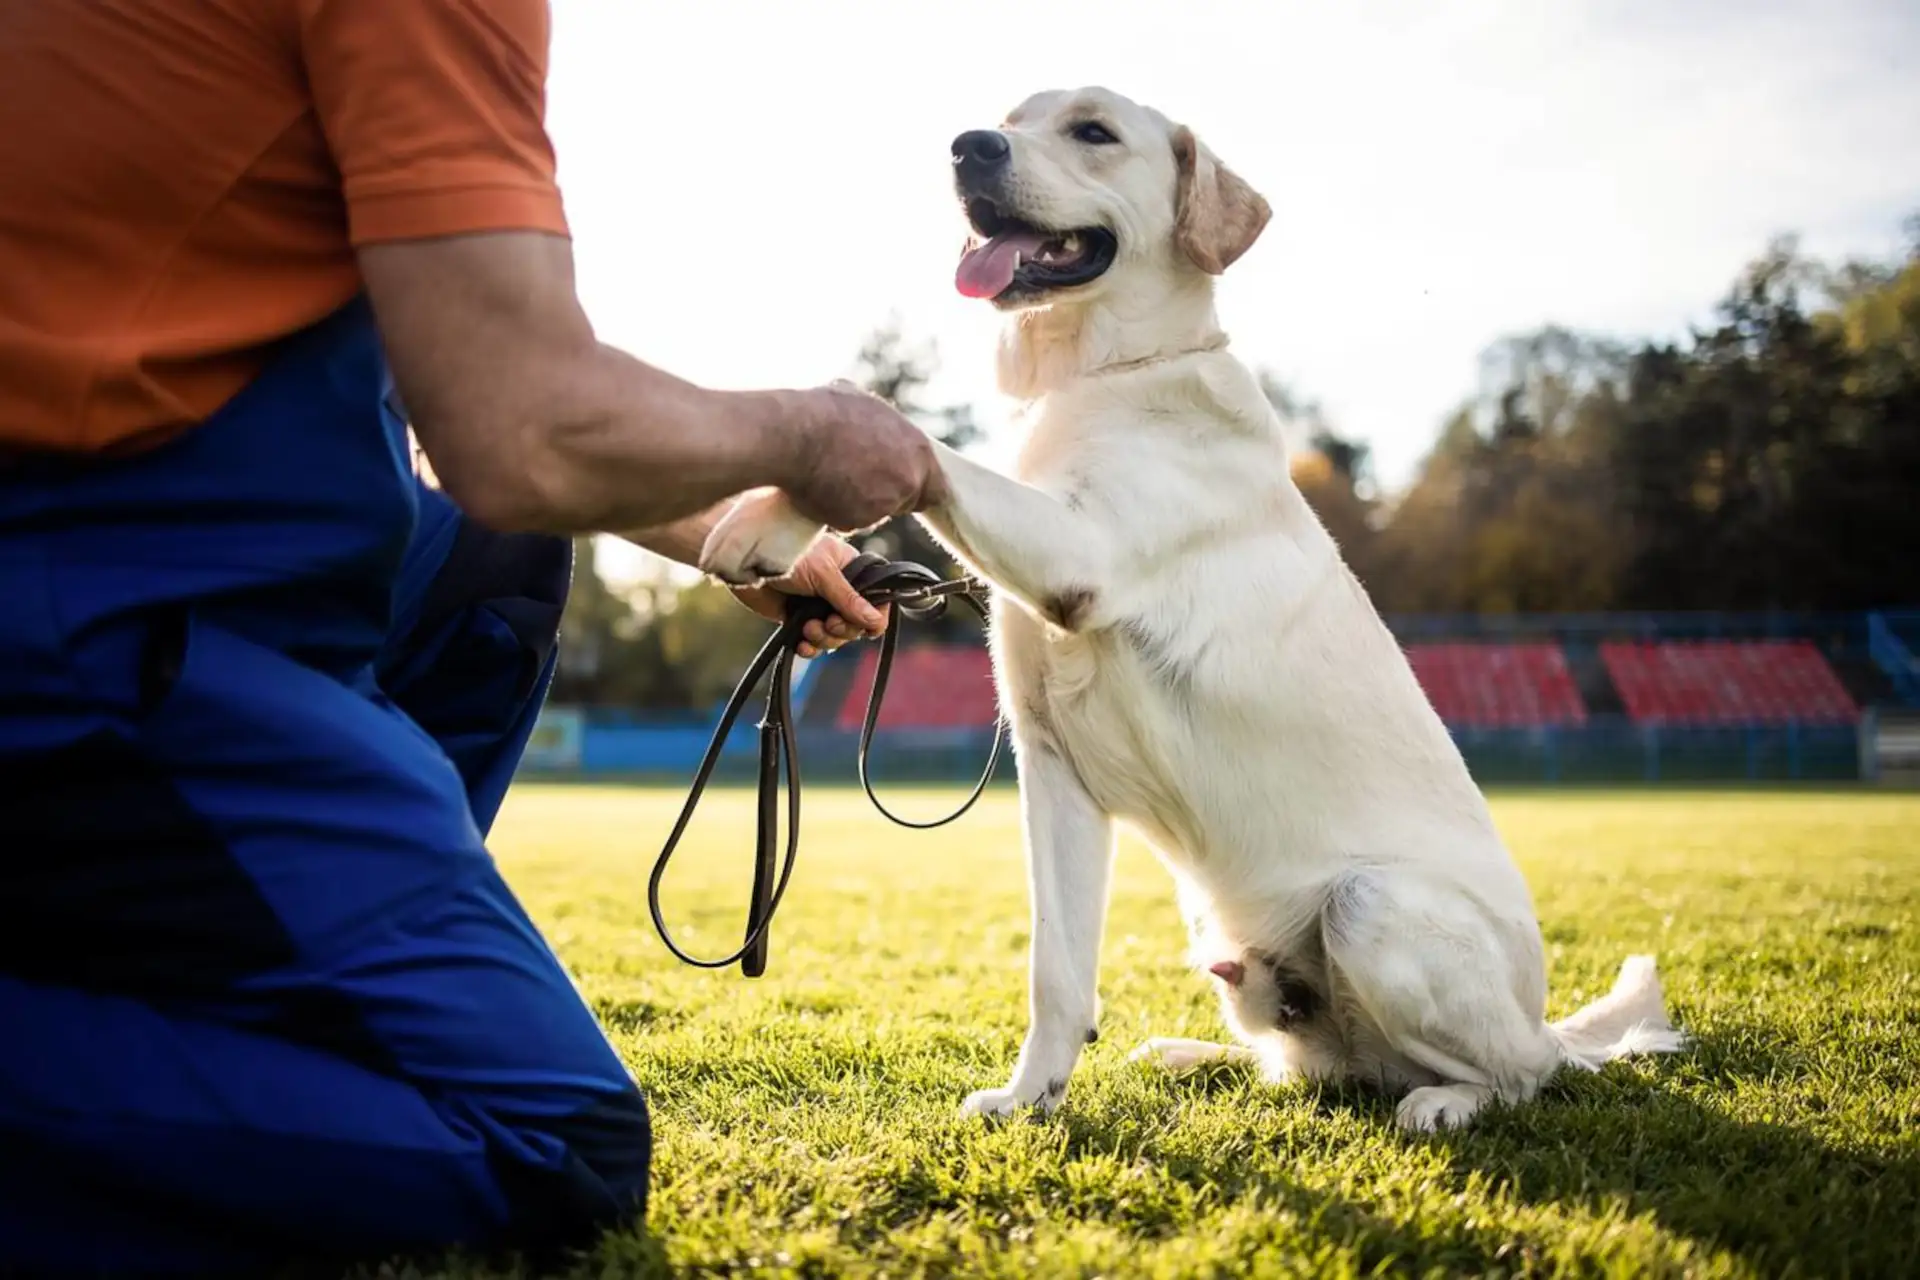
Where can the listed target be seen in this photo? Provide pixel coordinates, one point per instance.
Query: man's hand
(861, 462)
(819, 573)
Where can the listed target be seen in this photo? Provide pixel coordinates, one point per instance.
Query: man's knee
(616, 1141)
(584, 1172)
(613, 1137)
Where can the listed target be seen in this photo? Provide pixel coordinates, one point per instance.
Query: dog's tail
(1630, 1019)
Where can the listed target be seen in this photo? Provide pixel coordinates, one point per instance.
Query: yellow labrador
(1181, 649)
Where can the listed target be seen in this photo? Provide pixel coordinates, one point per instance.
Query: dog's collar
(1215, 342)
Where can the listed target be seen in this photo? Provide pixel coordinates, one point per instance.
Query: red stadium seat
(1476, 685)
(1473, 685)
(1719, 682)
(1498, 686)
(931, 687)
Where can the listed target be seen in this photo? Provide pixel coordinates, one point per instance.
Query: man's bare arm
(529, 421)
(682, 539)
(532, 423)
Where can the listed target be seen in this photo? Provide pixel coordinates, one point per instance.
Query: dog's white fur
(1182, 649)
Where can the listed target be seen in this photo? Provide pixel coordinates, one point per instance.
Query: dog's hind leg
(1069, 861)
(1441, 1106)
(1451, 991)
(1175, 1053)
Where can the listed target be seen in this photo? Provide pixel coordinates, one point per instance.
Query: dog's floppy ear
(1217, 216)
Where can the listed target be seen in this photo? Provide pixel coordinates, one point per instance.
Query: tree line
(1770, 461)
(1767, 461)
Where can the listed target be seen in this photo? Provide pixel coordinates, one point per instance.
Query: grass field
(807, 1122)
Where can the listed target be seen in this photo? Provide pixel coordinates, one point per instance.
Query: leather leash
(913, 592)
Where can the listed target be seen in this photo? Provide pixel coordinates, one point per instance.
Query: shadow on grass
(1778, 1196)
(1781, 1198)
(631, 1251)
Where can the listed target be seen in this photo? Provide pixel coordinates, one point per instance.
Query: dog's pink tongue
(986, 270)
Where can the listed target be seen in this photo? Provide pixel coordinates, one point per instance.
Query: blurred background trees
(1770, 460)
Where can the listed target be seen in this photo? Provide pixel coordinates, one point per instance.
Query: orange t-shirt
(183, 182)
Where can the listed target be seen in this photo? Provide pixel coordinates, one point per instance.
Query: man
(262, 992)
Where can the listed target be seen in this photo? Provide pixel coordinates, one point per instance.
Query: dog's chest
(1088, 697)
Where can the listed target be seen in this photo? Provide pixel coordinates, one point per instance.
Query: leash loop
(912, 592)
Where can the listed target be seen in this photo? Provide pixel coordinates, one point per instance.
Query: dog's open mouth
(1008, 256)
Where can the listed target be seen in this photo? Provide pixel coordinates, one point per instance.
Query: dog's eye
(1093, 133)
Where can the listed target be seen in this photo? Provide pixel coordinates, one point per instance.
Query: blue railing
(1605, 750)
(1614, 749)
(1894, 658)
(1608, 748)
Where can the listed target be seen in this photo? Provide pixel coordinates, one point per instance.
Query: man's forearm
(532, 423)
(680, 540)
(615, 443)
(632, 447)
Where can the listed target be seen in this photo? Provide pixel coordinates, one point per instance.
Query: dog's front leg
(1030, 545)
(1027, 543)
(1069, 860)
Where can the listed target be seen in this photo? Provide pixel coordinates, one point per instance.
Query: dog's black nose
(980, 151)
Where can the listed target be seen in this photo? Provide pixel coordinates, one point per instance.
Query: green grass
(807, 1122)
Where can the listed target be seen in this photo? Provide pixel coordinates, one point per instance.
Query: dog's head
(1079, 190)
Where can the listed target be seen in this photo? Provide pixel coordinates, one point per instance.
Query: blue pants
(263, 993)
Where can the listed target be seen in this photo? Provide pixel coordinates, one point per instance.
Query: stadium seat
(1475, 685)
(1498, 686)
(1722, 682)
(931, 687)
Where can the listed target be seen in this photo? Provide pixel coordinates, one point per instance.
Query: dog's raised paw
(762, 537)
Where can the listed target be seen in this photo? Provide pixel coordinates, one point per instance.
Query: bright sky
(755, 185)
